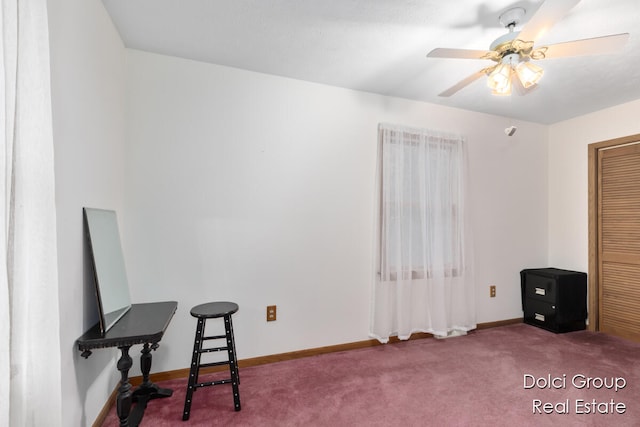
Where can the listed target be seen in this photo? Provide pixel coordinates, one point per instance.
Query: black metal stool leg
(233, 340)
(233, 361)
(195, 369)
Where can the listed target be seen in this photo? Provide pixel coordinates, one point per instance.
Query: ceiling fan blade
(458, 53)
(594, 46)
(463, 83)
(548, 14)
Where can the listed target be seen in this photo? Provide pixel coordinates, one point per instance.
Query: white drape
(423, 269)
(30, 383)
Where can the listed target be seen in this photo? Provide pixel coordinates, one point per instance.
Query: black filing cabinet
(554, 299)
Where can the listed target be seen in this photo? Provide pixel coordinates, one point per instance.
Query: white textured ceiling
(380, 46)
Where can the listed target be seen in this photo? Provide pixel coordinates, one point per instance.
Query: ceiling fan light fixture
(528, 73)
(504, 90)
(500, 77)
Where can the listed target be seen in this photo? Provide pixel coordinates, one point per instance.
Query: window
(421, 204)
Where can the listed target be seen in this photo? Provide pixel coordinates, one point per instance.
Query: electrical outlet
(271, 313)
(492, 291)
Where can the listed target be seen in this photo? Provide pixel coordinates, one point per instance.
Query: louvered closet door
(619, 243)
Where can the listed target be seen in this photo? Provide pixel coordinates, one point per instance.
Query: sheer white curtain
(30, 383)
(423, 269)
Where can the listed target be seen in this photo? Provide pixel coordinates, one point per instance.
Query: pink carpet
(477, 380)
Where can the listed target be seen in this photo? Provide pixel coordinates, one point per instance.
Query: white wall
(568, 179)
(88, 83)
(259, 189)
(236, 185)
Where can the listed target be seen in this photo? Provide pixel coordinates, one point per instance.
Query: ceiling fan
(514, 52)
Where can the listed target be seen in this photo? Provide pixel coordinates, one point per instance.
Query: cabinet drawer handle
(539, 317)
(541, 291)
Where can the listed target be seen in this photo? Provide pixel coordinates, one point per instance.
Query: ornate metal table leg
(123, 402)
(145, 366)
(148, 389)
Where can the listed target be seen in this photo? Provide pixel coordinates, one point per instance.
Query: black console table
(142, 324)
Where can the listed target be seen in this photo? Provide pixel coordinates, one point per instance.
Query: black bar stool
(203, 312)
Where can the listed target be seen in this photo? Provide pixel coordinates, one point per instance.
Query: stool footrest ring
(208, 365)
(214, 337)
(208, 383)
(210, 350)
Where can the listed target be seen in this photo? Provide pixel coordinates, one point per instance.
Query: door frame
(594, 233)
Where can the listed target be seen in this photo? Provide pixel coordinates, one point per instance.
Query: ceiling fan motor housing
(511, 58)
(509, 19)
(504, 39)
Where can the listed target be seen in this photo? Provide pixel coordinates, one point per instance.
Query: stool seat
(211, 310)
(202, 312)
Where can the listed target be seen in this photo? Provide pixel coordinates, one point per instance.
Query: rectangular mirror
(112, 287)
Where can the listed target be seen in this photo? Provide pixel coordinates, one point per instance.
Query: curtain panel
(423, 253)
(30, 385)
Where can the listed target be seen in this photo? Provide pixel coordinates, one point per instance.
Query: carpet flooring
(506, 376)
